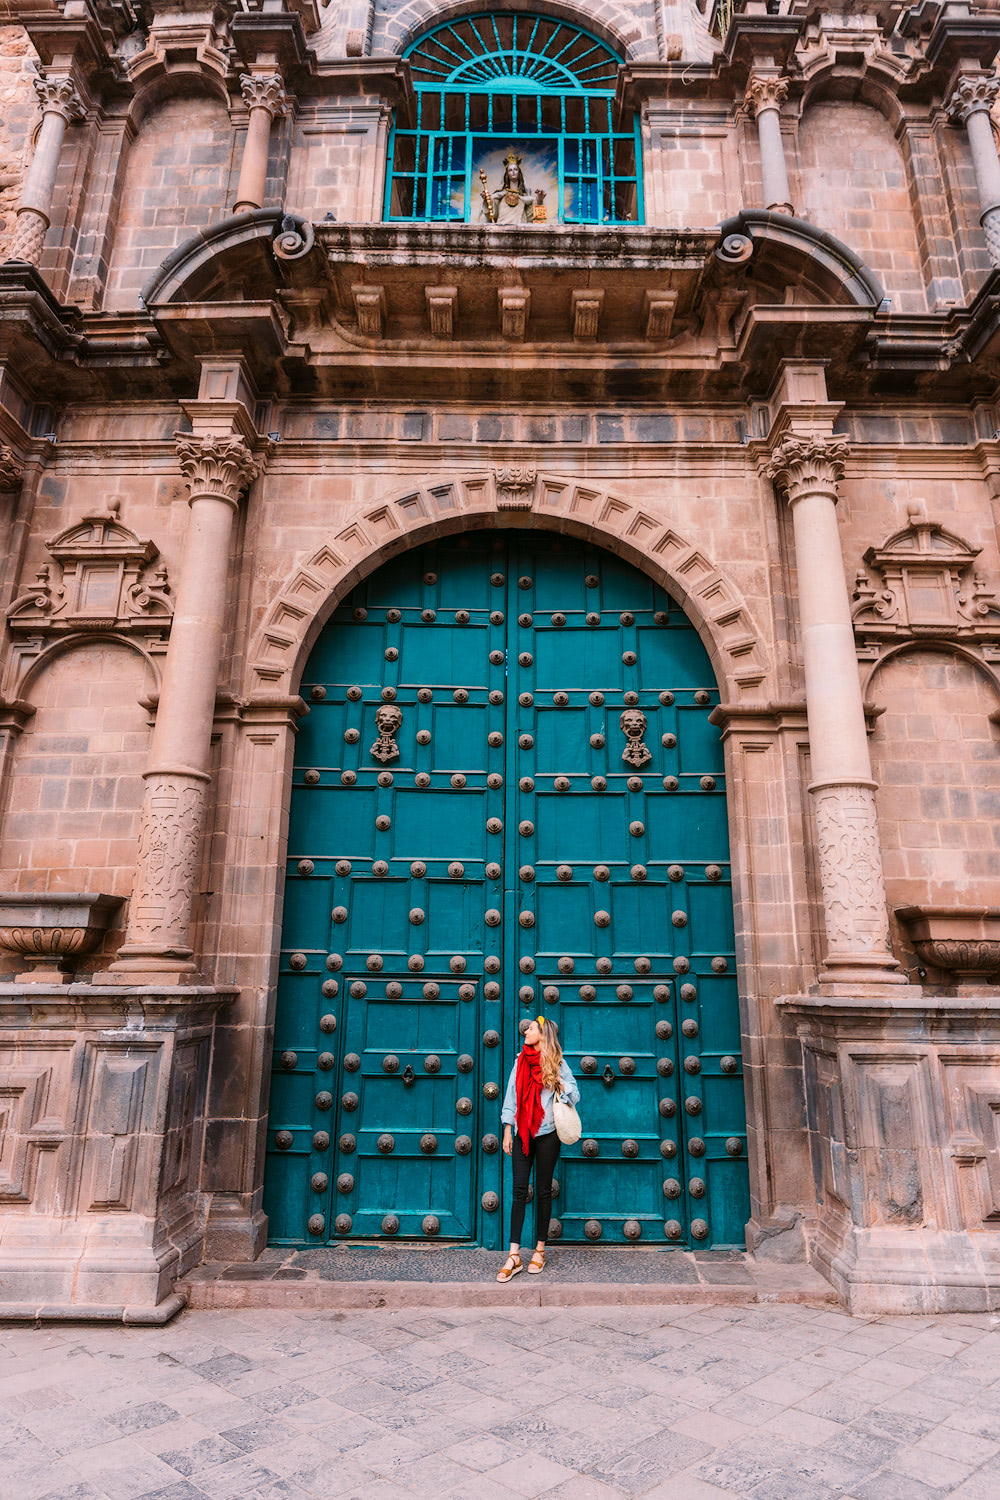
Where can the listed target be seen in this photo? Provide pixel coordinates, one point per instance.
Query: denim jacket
(547, 1126)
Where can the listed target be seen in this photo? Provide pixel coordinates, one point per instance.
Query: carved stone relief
(850, 864)
(173, 813)
(923, 583)
(515, 486)
(102, 577)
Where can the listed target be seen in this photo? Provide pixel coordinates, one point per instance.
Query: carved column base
(855, 911)
(101, 1210)
(902, 1100)
(169, 856)
(29, 236)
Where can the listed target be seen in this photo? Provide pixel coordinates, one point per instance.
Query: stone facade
(777, 395)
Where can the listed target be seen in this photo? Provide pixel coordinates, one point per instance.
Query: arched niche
(75, 788)
(935, 751)
(177, 180)
(858, 189)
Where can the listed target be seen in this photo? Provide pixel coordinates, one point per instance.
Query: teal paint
(405, 939)
(543, 86)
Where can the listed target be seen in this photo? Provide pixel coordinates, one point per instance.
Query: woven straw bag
(567, 1121)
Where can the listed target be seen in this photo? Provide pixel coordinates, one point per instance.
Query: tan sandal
(537, 1263)
(511, 1266)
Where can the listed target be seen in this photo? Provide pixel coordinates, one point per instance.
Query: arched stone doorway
(486, 851)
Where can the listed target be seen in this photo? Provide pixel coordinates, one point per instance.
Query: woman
(538, 1074)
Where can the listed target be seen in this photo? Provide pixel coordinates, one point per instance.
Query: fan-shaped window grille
(520, 108)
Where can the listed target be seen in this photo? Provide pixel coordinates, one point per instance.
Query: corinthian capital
(219, 467)
(804, 465)
(11, 472)
(264, 91)
(58, 96)
(765, 92)
(973, 92)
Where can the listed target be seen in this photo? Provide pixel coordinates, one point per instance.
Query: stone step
(347, 1276)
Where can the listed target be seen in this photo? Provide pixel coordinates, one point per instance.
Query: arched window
(525, 104)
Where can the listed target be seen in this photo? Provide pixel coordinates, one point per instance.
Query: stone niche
(903, 1110)
(102, 1107)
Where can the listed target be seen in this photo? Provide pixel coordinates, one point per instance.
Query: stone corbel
(514, 303)
(442, 310)
(587, 306)
(370, 307)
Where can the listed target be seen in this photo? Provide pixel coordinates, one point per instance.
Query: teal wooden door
(507, 798)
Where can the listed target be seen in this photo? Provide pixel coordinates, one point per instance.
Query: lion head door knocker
(633, 726)
(388, 719)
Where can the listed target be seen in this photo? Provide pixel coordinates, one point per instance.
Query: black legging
(543, 1150)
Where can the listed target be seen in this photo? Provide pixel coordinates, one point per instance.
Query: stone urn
(963, 940)
(52, 930)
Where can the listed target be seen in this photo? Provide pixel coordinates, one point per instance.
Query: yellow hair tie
(541, 1022)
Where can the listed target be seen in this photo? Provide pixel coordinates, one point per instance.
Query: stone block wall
(179, 178)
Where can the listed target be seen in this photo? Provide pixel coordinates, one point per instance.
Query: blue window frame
(489, 85)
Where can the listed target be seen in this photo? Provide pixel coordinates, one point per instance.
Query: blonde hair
(550, 1053)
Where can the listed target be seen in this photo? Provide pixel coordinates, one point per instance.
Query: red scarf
(528, 1084)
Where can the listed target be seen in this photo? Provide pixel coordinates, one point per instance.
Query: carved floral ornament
(102, 577)
(515, 486)
(803, 466)
(217, 467)
(58, 96)
(922, 582)
(972, 93)
(264, 91)
(765, 92)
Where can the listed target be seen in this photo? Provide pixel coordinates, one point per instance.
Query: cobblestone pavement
(783, 1402)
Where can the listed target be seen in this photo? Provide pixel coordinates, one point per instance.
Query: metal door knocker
(633, 726)
(388, 720)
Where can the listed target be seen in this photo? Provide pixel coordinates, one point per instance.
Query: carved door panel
(467, 846)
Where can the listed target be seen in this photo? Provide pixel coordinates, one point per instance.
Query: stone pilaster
(264, 96)
(216, 469)
(60, 104)
(807, 469)
(971, 102)
(765, 95)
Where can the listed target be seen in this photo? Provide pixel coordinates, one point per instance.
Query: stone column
(764, 97)
(265, 98)
(972, 100)
(842, 789)
(60, 103)
(216, 469)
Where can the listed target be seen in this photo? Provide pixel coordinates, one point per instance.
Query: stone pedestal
(903, 1109)
(104, 1090)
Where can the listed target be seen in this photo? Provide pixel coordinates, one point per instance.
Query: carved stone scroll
(11, 471)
